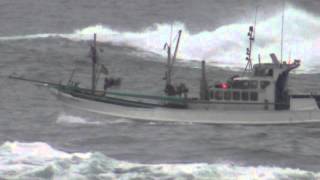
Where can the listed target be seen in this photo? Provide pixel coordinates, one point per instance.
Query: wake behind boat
(259, 96)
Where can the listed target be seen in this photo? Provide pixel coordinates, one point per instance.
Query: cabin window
(240, 84)
(218, 95)
(253, 84)
(264, 84)
(245, 96)
(260, 71)
(236, 95)
(227, 95)
(254, 96)
(245, 84)
(270, 72)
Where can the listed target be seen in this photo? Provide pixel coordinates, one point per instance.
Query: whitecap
(224, 46)
(70, 119)
(39, 160)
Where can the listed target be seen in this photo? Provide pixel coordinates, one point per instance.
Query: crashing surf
(223, 46)
(38, 160)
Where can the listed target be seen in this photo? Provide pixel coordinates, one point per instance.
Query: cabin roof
(259, 78)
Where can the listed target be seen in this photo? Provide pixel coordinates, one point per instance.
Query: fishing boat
(259, 96)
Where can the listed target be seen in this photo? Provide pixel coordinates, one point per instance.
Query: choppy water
(46, 40)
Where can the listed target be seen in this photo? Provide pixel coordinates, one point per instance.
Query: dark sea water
(46, 39)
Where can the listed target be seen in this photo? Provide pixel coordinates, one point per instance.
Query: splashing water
(40, 161)
(69, 119)
(224, 46)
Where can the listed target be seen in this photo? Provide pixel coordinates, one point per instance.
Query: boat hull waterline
(162, 114)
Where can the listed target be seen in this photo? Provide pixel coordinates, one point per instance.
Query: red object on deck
(224, 85)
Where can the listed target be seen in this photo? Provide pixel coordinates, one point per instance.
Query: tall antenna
(255, 20)
(170, 43)
(282, 28)
(289, 59)
(251, 35)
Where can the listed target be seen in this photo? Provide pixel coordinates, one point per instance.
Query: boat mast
(168, 75)
(171, 59)
(94, 62)
(203, 82)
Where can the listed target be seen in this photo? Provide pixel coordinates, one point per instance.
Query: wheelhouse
(266, 85)
(239, 90)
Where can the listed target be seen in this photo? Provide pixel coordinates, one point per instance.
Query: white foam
(69, 119)
(119, 121)
(19, 159)
(32, 36)
(224, 46)
(39, 160)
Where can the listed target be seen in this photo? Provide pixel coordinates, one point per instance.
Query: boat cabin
(265, 87)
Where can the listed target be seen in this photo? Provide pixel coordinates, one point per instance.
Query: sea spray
(39, 160)
(70, 119)
(224, 46)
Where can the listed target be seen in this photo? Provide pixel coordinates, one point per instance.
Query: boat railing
(162, 98)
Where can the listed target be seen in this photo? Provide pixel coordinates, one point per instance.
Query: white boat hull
(257, 117)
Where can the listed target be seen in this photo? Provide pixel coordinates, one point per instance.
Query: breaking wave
(39, 160)
(224, 46)
(69, 119)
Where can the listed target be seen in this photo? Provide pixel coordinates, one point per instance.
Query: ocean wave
(39, 160)
(224, 46)
(68, 119)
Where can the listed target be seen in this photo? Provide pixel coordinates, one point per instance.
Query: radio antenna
(251, 35)
(282, 28)
(255, 20)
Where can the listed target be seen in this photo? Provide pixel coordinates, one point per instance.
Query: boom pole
(44, 83)
(177, 47)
